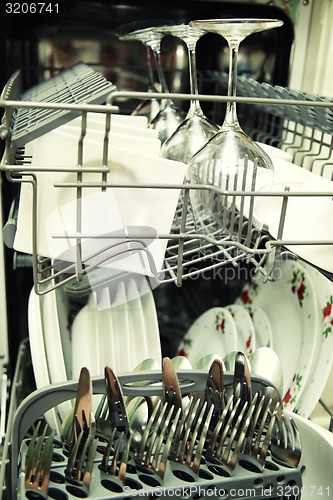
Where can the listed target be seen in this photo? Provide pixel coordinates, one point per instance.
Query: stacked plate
(222, 330)
(293, 315)
(117, 327)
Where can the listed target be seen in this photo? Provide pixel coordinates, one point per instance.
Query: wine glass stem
(161, 76)
(231, 119)
(151, 80)
(195, 107)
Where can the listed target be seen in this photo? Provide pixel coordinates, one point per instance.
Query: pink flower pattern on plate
(291, 394)
(328, 317)
(298, 285)
(220, 322)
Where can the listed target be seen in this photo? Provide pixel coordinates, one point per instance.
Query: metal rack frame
(183, 240)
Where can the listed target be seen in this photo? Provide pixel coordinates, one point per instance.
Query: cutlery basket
(275, 481)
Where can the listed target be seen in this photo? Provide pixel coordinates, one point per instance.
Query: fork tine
(162, 434)
(155, 447)
(267, 440)
(194, 463)
(194, 434)
(243, 431)
(265, 414)
(36, 456)
(147, 430)
(219, 424)
(44, 468)
(164, 458)
(89, 464)
(116, 454)
(124, 459)
(156, 430)
(229, 457)
(81, 459)
(30, 451)
(67, 428)
(258, 409)
(107, 451)
(38, 462)
(227, 428)
(72, 455)
(184, 429)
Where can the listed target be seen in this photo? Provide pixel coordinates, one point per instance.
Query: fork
(189, 440)
(226, 443)
(286, 445)
(152, 456)
(261, 430)
(80, 461)
(38, 463)
(115, 456)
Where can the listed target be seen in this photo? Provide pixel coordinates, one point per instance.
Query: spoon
(171, 388)
(242, 379)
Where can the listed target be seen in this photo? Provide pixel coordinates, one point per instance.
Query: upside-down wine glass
(196, 128)
(231, 162)
(169, 115)
(149, 107)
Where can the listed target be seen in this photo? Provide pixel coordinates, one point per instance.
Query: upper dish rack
(296, 122)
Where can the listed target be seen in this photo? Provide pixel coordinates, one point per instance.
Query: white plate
(274, 152)
(37, 349)
(293, 321)
(129, 138)
(85, 340)
(307, 218)
(131, 128)
(116, 118)
(213, 332)
(53, 345)
(317, 450)
(323, 355)
(246, 335)
(94, 138)
(262, 327)
(63, 309)
(151, 326)
(121, 346)
(137, 329)
(150, 210)
(105, 333)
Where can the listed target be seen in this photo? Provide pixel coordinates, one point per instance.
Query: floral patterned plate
(245, 329)
(323, 356)
(262, 326)
(214, 332)
(291, 307)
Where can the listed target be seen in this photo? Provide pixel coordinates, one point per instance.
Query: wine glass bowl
(231, 165)
(196, 128)
(236, 28)
(169, 116)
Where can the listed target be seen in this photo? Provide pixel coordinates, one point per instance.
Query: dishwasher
(80, 436)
